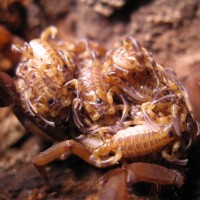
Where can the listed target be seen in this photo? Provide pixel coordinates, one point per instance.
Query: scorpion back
(43, 75)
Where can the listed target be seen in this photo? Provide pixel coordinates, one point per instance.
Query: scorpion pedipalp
(123, 105)
(113, 184)
(8, 90)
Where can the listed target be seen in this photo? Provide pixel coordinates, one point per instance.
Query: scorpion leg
(113, 185)
(77, 104)
(74, 82)
(176, 119)
(77, 121)
(56, 151)
(124, 107)
(59, 149)
(172, 157)
(104, 151)
(148, 115)
(68, 59)
(75, 113)
(7, 90)
(26, 49)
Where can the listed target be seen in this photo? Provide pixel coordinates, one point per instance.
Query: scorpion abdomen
(91, 82)
(141, 140)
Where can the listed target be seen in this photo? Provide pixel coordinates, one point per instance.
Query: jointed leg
(172, 158)
(77, 103)
(176, 119)
(76, 112)
(148, 115)
(123, 107)
(74, 82)
(112, 185)
(56, 151)
(68, 59)
(26, 49)
(101, 156)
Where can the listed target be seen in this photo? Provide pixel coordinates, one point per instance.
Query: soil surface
(169, 29)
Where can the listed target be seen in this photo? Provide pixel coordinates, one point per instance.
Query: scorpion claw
(113, 185)
(193, 90)
(7, 90)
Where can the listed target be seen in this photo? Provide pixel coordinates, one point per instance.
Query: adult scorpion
(158, 123)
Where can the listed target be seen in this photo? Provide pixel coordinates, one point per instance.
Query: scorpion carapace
(124, 106)
(8, 89)
(41, 78)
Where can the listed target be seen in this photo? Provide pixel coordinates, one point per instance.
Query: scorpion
(39, 95)
(129, 65)
(41, 78)
(132, 69)
(127, 143)
(149, 125)
(93, 94)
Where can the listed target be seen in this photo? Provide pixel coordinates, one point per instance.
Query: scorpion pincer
(53, 78)
(131, 142)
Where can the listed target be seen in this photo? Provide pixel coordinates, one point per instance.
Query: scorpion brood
(94, 102)
(124, 106)
(41, 78)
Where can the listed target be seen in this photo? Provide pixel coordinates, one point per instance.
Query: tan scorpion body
(123, 108)
(41, 79)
